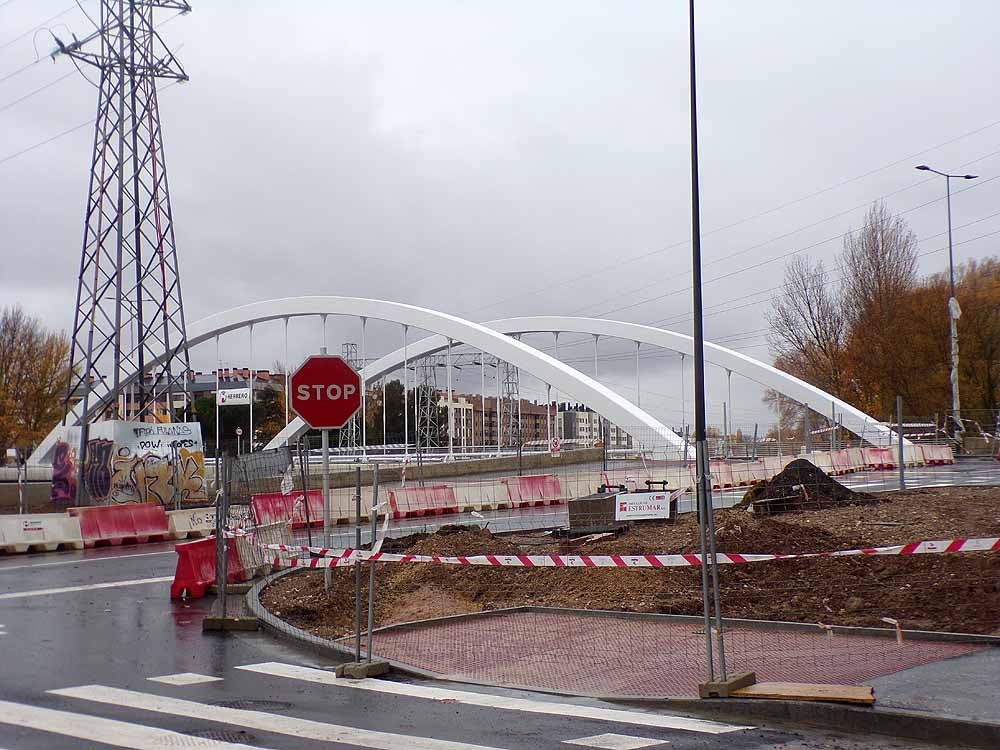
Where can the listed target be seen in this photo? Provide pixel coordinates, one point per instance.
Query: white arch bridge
(499, 339)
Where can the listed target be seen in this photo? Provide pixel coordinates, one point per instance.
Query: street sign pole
(326, 393)
(326, 496)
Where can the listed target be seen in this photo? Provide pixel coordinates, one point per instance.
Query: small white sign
(31, 524)
(638, 506)
(555, 445)
(236, 397)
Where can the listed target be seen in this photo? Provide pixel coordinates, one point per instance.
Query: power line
(39, 90)
(28, 149)
(33, 29)
(626, 261)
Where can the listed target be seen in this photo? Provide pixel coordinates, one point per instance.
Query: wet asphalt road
(104, 617)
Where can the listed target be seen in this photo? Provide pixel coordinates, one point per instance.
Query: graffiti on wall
(134, 463)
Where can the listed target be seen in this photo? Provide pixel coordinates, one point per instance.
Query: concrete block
(360, 670)
(725, 688)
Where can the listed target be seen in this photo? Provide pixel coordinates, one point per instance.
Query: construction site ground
(957, 592)
(616, 654)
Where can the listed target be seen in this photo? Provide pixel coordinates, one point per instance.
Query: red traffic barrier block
(534, 489)
(149, 522)
(109, 524)
(195, 569)
(410, 502)
(271, 507)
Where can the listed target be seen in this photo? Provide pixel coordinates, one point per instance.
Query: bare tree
(808, 332)
(34, 372)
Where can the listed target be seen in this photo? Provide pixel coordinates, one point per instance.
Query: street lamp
(954, 311)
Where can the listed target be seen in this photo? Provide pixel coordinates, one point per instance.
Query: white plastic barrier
(40, 532)
(480, 495)
(820, 459)
(196, 523)
(912, 455)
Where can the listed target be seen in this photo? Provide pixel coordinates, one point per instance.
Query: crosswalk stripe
(264, 722)
(639, 718)
(105, 731)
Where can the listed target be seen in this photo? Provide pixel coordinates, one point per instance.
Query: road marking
(88, 587)
(486, 700)
(184, 678)
(4, 569)
(105, 731)
(616, 742)
(264, 722)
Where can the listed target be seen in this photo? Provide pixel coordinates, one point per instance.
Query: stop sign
(325, 392)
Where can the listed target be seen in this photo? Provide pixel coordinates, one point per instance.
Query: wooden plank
(803, 691)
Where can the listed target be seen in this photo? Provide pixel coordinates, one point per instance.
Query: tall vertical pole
(325, 434)
(371, 564)
(560, 430)
(451, 408)
(638, 393)
(287, 398)
(684, 408)
(706, 522)
(953, 313)
(548, 413)
(730, 432)
(218, 423)
(250, 379)
(385, 436)
(899, 433)
(482, 396)
(833, 426)
(364, 390)
(323, 318)
(499, 413)
(807, 428)
(406, 399)
(357, 565)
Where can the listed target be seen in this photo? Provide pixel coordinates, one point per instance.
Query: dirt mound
(801, 486)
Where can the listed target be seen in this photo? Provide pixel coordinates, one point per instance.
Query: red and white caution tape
(331, 558)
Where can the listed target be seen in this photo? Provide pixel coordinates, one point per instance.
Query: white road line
(5, 568)
(184, 678)
(105, 731)
(263, 722)
(486, 700)
(616, 742)
(88, 587)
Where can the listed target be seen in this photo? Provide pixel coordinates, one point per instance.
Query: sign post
(239, 440)
(326, 392)
(555, 446)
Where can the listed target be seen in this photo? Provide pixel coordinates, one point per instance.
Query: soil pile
(959, 592)
(801, 486)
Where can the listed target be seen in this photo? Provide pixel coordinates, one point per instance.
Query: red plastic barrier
(106, 524)
(534, 489)
(195, 569)
(150, 522)
(409, 502)
(879, 458)
(273, 507)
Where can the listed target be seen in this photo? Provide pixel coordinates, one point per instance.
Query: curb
(832, 716)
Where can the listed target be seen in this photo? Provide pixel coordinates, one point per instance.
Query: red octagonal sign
(325, 392)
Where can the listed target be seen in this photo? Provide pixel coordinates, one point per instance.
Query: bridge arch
(856, 421)
(560, 376)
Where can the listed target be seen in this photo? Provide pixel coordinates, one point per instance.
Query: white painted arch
(856, 421)
(562, 377)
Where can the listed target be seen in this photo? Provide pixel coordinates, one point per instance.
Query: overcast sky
(494, 159)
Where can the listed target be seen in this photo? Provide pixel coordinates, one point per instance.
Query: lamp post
(954, 311)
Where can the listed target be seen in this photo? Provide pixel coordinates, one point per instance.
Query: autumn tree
(879, 264)
(34, 374)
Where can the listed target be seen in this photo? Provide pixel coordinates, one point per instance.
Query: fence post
(221, 514)
(357, 565)
(899, 434)
(807, 429)
(371, 563)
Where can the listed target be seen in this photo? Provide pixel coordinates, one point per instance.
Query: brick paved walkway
(627, 656)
